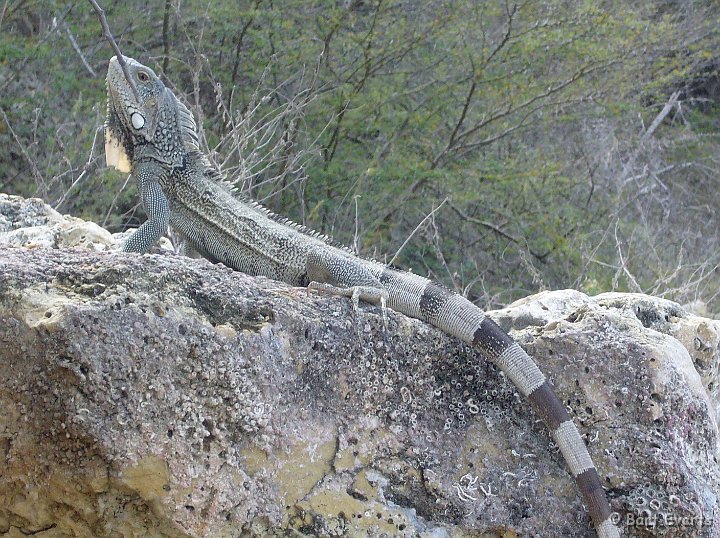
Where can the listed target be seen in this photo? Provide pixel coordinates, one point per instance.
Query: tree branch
(166, 35)
(33, 166)
(121, 59)
(660, 117)
(77, 48)
(497, 230)
(407, 240)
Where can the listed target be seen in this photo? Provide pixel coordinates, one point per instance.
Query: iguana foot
(368, 294)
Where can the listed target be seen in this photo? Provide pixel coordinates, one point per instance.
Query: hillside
(510, 147)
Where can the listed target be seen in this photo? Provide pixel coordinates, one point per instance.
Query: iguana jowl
(156, 140)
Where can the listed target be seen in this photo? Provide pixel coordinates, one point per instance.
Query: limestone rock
(31, 223)
(163, 396)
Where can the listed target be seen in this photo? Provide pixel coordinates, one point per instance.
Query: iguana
(156, 140)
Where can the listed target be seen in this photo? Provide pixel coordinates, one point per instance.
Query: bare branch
(671, 102)
(63, 198)
(33, 166)
(473, 86)
(239, 42)
(552, 89)
(629, 165)
(77, 48)
(397, 253)
(106, 33)
(4, 10)
(166, 35)
(458, 125)
(499, 231)
(623, 264)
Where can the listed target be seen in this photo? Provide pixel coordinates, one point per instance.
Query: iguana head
(157, 124)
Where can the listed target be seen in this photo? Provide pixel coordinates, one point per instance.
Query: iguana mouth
(118, 88)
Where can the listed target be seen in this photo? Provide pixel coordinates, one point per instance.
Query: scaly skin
(156, 140)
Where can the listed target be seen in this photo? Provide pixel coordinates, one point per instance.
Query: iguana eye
(143, 76)
(137, 120)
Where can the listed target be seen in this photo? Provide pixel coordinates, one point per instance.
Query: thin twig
(166, 36)
(629, 165)
(114, 201)
(33, 165)
(486, 224)
(438, 249)
(77, 49)
(623, 264)
(120, 58)
(62, 199)
(415, 230)
(356, 241)
(4, 10)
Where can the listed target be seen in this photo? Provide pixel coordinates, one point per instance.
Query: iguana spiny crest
(156, 140)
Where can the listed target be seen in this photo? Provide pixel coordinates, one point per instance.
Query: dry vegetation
(505, 146)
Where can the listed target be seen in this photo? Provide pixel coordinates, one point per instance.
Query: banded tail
(421, 298)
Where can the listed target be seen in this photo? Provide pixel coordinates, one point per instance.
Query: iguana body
(156, 140)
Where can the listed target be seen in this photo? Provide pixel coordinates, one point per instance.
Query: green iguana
(156, 139)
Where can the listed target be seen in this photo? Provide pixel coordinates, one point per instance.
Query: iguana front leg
(333, 273)
(157, 208)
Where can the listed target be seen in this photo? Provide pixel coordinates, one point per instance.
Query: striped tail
(421, 298)
(524, 373)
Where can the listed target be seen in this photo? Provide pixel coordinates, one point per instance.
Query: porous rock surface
(157, 395)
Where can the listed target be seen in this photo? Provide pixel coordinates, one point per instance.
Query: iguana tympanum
(156, 139)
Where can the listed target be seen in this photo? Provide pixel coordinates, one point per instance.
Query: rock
(158, 395)
(31, 224)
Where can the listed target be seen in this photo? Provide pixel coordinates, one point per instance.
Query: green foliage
(528, 118)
